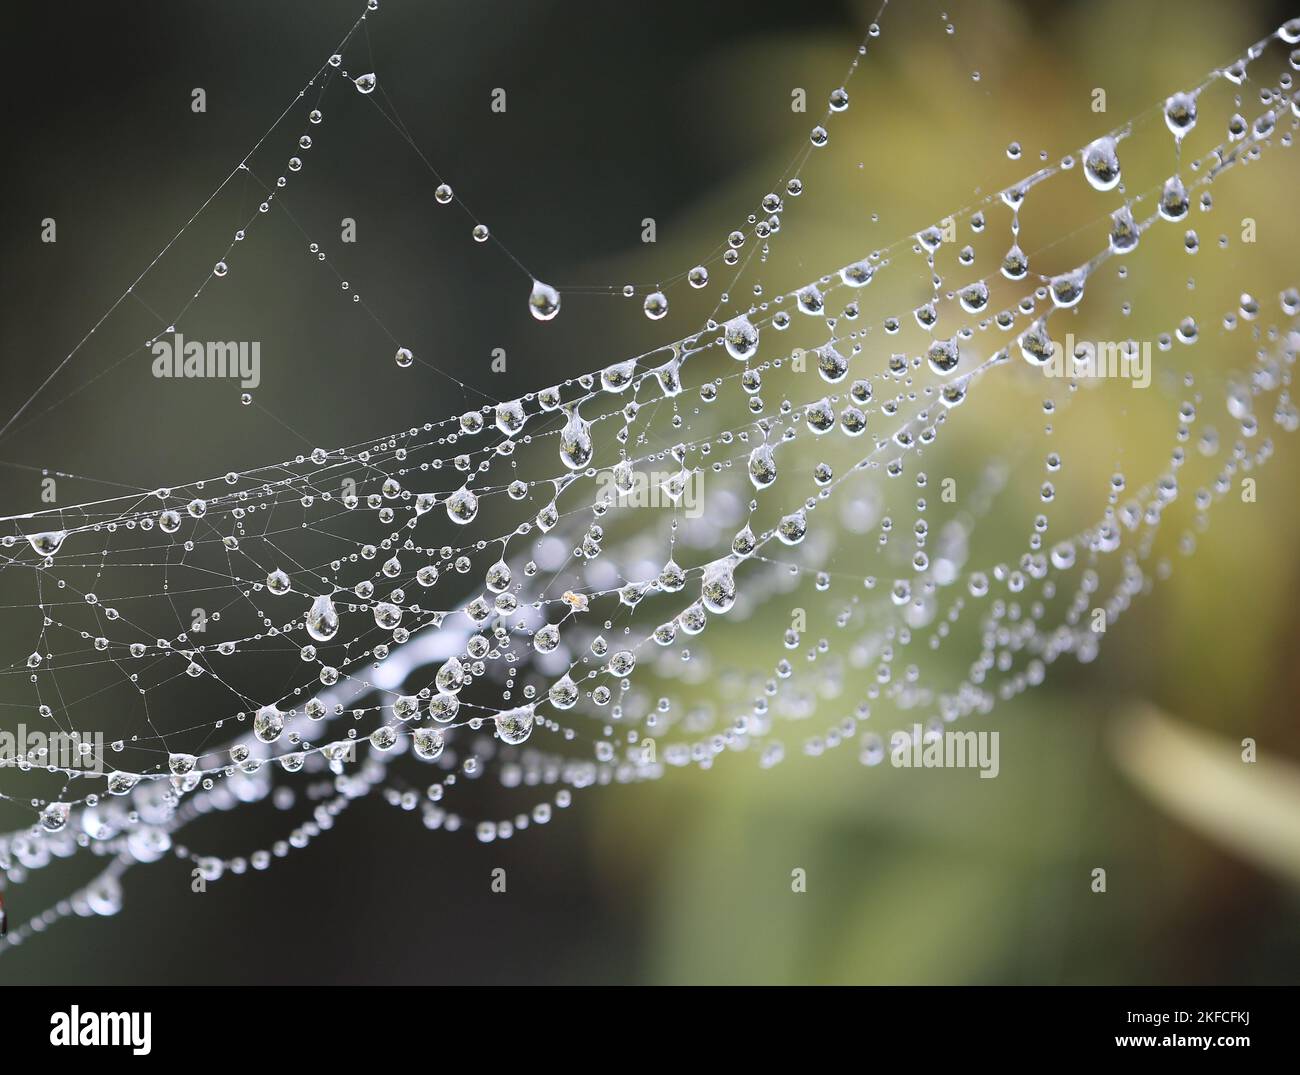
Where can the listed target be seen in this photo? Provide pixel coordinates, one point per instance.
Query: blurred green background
(680, 113)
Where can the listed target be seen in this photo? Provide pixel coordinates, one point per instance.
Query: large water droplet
(1067, 289)
(1173, 199)
(655, 305)
(322, 619)
(1180, 114)
(832, 365)
(943, 355)
(575, 442)
(462, 506)
(544, 301)
(387, 615)
(762, 466)
(1101, 164)
(510, 417)
(1124, 230)
(48, 543)
(718, 590)
(563, 693)
(268, 724)
(515, 725)
(740, 338)
(546, 639)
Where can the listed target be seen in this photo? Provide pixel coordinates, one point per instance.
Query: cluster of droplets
(574, 649)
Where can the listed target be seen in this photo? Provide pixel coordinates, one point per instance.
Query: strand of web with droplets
(1102, 163)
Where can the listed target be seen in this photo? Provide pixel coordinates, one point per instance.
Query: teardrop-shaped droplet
(744, 543)
(462, 506)
(1015, 265)
(268, 724)
(322, 619)
(575, 441)
(617, 377)
(427, 743)
(544, 301)
(1124, 230)
(740, 338)
(809, 300)
(515, 725)
(974, 297)
(546, 639)
(1036, 346)
(387, 615)
(669, 377)
(563, 693)
(1067, 289)
(444, 706)
(451, 676)
(718, 590)
(943, 355)
(1180, 114)
(1101, 164)
(510, 417)
(792, 528)
(1173, 199)
(832, 365)
(762, 466)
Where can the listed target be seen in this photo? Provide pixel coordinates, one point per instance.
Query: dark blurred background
(616, 112)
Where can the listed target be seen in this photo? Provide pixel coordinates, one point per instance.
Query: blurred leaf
(1252, 809)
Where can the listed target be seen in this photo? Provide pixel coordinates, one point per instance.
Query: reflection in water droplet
(543, 301)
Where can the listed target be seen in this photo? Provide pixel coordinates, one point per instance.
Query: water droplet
(943, 356)
(268, 724)
(322, 619)
(514, 726)
(48, 543)
(1173, 199)
(428, 743)
(563, 693)
(1101, 164)
(762, 466)
(718, 589)
(858, 274)
(740, 338)
(575, 442)
(655, 305)
(543, 301)
(1124, 230)
(1180, 114)
(387, 615)
(462, 506)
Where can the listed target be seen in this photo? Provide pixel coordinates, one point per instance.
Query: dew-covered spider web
(751, 540)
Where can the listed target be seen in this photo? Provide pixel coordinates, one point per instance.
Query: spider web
(576, 587)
